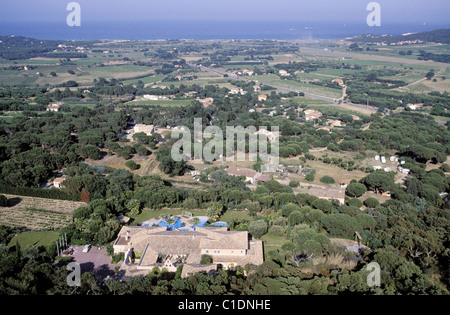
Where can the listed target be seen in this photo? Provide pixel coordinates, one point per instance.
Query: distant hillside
(438, 36)
(19, 47)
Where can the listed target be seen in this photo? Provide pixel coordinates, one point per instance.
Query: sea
(205, 30)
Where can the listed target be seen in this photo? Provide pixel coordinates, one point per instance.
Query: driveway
(96, 261)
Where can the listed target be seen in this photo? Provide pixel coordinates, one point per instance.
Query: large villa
(157, 246)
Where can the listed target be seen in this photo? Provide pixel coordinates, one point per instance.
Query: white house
(54, 107)
(57, 182)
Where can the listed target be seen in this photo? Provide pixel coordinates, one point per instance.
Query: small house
(57, 182)
(312, 114)
(262, 97)
(55, 107)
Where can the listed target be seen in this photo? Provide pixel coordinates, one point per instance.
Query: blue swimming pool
(176, 225)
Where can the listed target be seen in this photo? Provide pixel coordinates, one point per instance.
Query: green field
(276, 81)
(41, 238)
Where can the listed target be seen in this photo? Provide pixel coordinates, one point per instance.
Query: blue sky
(345, 11)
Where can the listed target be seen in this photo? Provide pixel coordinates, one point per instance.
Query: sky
(345, 11)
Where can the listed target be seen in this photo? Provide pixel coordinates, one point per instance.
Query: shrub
(132, 165)
(3, 201)
(190, 203)
(277, 230)
(206, 260)
(116, 258)
(294, 183)
(371, 202)
(309, 177)
(327, 180)
(257, 228)
(445, 168)
(355, 202)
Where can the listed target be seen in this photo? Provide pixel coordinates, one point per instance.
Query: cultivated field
(37, 213)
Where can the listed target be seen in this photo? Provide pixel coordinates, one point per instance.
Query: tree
(366, 221)
(85, 195)
(378, 181)
(430, 74)
(195, 221)
(295, 218)
(289, 208)
(322, 204)
(257, 228)
(90, 152)
(214, 211)
(341, 225)
(355, 190)
(309, 177)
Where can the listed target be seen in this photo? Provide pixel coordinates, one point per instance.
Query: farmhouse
(57, 182)
(328, 193)
(55, 107)
(339, 81)
(269, 134)
(206, 102)
(415, 106)
(147, 129)
(250, 175)
(262, 97)
(148, 97)
(160, 247)
(311, 114)
(334, 123)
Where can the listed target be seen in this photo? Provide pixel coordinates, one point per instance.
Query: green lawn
(272, 242)
(42, 238)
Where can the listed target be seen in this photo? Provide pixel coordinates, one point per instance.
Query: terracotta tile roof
(234, 170)
(327, 193)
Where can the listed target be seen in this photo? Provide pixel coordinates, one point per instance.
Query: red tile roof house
(250, 175)
(161, 248)
(54, 107)
(57, 182)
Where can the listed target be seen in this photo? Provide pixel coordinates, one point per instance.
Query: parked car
(86, 248)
